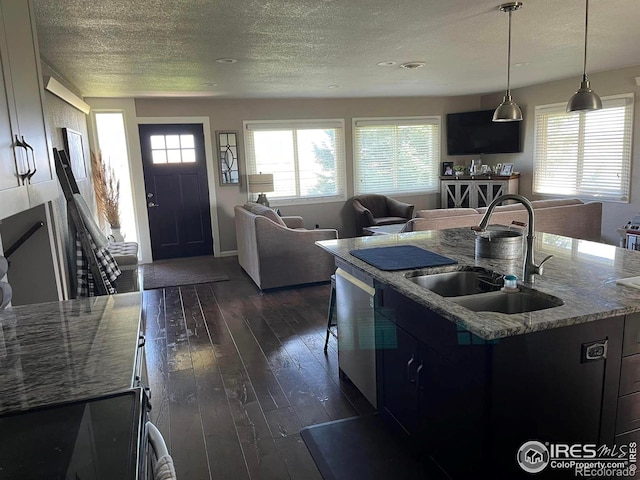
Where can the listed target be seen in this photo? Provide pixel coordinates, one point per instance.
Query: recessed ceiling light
(390, 63)
(521, 64)
(226, 60)
(413, 65)
(209, 84)
(333, 86)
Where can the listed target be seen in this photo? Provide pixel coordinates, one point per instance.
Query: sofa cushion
(445, 212)
(559, 202)
(258, 209)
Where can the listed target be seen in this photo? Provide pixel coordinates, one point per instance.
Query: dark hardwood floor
(236, 373)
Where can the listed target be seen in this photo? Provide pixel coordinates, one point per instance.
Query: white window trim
(554, 107)
(407, 120)
(297, 123)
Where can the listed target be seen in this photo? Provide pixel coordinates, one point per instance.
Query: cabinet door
(399, 366)
(481, 195)
(455, 194)
(13, 195)
(26, 84)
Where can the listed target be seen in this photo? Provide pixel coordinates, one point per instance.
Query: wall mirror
(228, 158)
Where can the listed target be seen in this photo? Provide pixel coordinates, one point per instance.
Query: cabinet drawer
(628, 417)
(631, 343)
(630, 375)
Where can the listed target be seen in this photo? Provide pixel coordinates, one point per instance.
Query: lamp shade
(507, 111)
(584, 99)
(260, 183)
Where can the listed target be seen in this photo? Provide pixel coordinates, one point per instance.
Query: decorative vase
(116, 234)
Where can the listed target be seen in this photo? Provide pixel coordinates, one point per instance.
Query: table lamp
(261, 183)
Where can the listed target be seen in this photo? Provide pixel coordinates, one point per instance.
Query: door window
(173, 149)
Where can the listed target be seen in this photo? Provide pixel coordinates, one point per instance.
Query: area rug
(180, 271)
(364, 447)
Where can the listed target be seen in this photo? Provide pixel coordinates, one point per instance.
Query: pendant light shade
(508, 110)
(585, 98)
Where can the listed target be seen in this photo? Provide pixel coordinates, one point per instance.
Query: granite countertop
(583, 274)
(64, 351)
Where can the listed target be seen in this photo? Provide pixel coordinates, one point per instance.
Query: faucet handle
(539, 268)
(477, 228)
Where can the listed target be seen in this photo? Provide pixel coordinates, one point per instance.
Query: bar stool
(331, 313)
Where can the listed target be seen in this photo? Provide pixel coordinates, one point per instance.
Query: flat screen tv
(474, 133)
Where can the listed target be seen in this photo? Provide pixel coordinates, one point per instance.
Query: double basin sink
(480, 290)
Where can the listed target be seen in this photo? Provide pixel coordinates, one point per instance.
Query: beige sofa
(277, 251)
(569, 217)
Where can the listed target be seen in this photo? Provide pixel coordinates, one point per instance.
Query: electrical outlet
(594, 351)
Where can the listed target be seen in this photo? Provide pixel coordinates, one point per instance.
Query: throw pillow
(258, 209)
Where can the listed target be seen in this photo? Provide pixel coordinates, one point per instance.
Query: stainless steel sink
(509, 302)
(463, 280)
(479, 289)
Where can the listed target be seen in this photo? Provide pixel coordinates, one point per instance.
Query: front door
(175, 179)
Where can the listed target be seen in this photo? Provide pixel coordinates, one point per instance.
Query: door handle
(418, 376)
(149, 195)
(409, 363)
(33, 155)
(151, 205)
(20, 171)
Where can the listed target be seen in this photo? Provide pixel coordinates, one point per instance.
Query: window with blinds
(396, 155)
(586, 154)
(306, 158)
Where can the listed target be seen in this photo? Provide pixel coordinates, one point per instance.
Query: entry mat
(401, 257)
(364, 447)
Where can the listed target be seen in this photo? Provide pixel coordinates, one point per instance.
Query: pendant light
(584, 98)
(508, 110)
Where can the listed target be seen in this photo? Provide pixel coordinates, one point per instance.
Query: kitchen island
(470, 388)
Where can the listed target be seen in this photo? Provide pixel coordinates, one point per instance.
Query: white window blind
(306, 158)
(396, 155)
(587, 154)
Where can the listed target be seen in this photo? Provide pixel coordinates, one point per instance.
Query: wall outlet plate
(594, 351)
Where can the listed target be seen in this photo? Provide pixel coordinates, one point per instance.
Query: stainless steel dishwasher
(355, 297)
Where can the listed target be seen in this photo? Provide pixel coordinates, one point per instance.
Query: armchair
(277, 252)
(373, 209)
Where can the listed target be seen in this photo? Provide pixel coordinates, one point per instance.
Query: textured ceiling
(326, 48)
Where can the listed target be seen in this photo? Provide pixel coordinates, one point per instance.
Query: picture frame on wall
(74, 146)
(447, 168)
(228, 157)
(507, 170)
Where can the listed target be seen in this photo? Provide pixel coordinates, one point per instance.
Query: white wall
(614, 214)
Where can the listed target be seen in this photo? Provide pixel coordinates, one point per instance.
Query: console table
(474, 191)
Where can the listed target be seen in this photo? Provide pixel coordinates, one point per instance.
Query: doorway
(177, 193)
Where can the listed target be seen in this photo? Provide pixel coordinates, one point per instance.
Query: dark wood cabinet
(399, 361)
(458, 395)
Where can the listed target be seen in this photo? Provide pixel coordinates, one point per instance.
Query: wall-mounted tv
(474, 133)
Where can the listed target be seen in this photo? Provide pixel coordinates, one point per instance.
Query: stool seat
(331, 313)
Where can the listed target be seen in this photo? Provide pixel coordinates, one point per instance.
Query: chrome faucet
(529, 268)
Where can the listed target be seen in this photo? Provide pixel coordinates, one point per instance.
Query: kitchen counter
(583, 274)
(63, 351)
